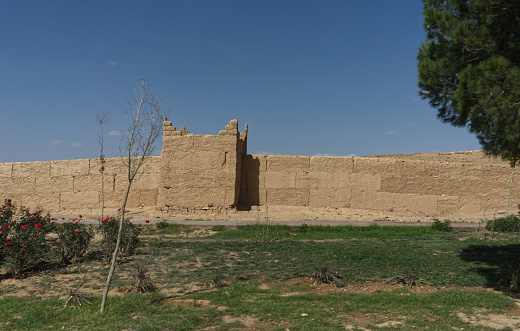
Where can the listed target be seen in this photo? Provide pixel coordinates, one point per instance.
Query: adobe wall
(200, 171)
(73, 187)
(213, 177)
(459, 185)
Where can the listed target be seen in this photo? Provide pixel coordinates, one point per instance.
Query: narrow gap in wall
(114, 183)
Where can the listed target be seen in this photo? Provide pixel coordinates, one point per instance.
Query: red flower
(38, 225)
(76, 230)
(80, 216)
(6, 225)
(75, 222)
(31, 217)
(23, 245)
(7, 244)
(57, 240)
(25, 226)
(147, 221)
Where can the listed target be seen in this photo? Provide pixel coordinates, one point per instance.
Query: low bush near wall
(73, 240)
(25, 245)
(443, 226)
(24, 242)
(510, 223)
(129, 239)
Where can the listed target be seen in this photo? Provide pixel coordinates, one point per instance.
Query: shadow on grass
(496, 263)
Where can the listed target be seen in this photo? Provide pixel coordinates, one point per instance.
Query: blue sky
(334, 77)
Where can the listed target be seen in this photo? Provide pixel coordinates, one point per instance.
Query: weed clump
(325, 275)
(141, 282)
(443, 226)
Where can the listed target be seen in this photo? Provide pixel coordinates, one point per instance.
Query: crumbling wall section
(200, 171)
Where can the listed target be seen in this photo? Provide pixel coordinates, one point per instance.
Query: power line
(218, 73)
(205, 67)
(206, 78)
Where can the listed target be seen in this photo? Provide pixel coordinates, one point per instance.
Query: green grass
(257, 254)
(166, 228)
(268, 231)
(302, 311)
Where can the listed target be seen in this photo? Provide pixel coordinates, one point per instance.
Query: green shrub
(510, 223)
(443, 226)
(73, 240)
(25, 246)
(109, 228)
(161, 225)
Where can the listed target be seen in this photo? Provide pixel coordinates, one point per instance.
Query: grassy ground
(267, 277)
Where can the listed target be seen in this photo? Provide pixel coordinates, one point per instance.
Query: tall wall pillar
(200, 171)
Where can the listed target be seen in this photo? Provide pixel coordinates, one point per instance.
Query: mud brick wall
(76, 184)
(215, 173)
(200, 171)
(403, 184)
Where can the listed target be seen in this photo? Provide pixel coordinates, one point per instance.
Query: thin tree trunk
(510, 186)
(116, 251)
(102, 194)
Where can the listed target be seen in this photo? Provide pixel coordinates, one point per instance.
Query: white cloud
(352, 155)
(390, 132)
(75, 145)
(112, 63)
(114, 133)
(66, 144)
(264, 153)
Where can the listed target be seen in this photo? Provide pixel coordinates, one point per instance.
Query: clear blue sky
(334, 77)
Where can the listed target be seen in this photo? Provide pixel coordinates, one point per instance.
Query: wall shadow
(499, 263)
(249, 183)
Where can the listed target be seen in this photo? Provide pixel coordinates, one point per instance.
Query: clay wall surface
(212, 176)
(75, 185)
(200, 171)
(430, 185)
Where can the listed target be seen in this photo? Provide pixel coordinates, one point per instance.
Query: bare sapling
(145, 119)
(102, 119)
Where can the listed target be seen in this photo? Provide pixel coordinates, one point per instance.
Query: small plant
(161, 225)
(408, 278)
(73, 240)
(514, 277)
(325, 275)
(76, 298)
(141, 282)
(510, 223)
(218, 228)
(129, 239)
(443, 226)
(218, 282)
(302, 228)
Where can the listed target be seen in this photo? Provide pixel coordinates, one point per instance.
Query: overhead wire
(181, 75)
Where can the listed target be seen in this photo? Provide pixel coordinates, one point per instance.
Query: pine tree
(469, 69)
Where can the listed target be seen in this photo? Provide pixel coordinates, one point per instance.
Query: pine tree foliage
(469, 69)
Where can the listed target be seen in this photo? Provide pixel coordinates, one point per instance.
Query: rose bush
(73, 240)
(24, 245)
(109, 227)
